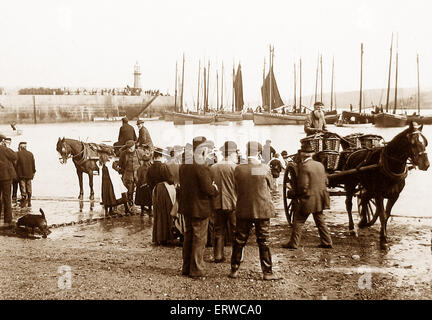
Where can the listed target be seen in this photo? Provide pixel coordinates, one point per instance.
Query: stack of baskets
(330, 156)
(316, 142)
(370, 140)
(354, 140)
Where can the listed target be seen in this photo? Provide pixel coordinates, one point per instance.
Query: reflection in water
(92, 205)
(81, 206)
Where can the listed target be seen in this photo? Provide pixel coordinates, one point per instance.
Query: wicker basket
(332, 144)
(330, 159)
(370, 140)
(315, 142)
(354, 140)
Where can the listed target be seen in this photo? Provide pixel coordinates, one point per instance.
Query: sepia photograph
(215, 156)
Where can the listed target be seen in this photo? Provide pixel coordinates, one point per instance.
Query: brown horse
(84, 159)
(388, 179)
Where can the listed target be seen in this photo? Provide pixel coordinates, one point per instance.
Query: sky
(96, 43)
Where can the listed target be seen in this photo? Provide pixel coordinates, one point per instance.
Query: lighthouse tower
(137, 76)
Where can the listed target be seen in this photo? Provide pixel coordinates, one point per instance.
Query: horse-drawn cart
(367, 168)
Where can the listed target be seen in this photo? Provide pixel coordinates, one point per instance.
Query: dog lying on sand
(33, 221)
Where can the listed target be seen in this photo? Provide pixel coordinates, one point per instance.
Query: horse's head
(417, 144)
(63, 149)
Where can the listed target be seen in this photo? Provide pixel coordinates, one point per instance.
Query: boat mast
(271, 78)
(208, 86)
(233, 91)
(321, 97)
(396, 76)
(199, 74)
(205, 89)
(316, 81)
(361, 78)
(222, 87)
(388, 83)
(175, 91)
(331, 93)
(182, 88)
(217, 91)
(300, 80)
(418, 86)
(295, 89)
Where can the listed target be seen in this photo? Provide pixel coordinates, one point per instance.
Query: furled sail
(238, 90)
(265, 92)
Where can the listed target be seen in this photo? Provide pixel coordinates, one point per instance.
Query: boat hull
(278, 119)
(387, 120)
(228, 117)
(184, 118)
(248, 116)
(352, 117)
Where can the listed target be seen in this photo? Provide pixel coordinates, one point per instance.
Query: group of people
(16, 169)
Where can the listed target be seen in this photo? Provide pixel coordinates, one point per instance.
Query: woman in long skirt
(161, 182)
(108, 196)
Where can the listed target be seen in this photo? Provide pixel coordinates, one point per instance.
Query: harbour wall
(70, 108)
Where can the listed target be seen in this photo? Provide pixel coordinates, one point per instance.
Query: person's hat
(8, 139)
(22, 143)
(318, 104)
(306, 149)
(125, 119)
(284, 154)
(201, 142)
(129, 143)
(253, 147)
(139, 121)
(228, 147)
(2, 137)
(159, 152)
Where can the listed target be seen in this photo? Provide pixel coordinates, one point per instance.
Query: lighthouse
(137, 76)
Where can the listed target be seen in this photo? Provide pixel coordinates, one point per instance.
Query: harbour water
(55, 186)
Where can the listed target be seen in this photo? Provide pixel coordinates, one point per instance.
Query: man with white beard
(315, 121)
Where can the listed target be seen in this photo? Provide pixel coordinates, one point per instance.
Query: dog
(33, 221)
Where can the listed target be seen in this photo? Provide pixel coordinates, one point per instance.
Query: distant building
(137, 76)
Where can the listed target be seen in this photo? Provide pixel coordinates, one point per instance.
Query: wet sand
(115, 259)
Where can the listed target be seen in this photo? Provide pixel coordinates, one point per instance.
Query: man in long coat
(254, 207)
(126, 132)
(195, 203)
(315, 121)
(7, 174)
(314, 198)
(25, 171)
(224, 203)
(144, 139)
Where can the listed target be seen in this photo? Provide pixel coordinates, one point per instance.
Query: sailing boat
(182, 118)
(271, 100)
(389, 120)
(238, 102)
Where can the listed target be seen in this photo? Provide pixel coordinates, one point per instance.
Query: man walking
(25, 171)
(130, 160)
(7, 174)
(314, 198)
(196, 190)
(315, 121)
(225, 202)
(254, 208)
(144, 139)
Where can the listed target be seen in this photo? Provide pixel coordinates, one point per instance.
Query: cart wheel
(289, 192)
(368, 211)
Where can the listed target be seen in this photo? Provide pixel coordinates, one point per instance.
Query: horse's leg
(80, 180)
(381, 212)
(90, 174)
(390, 203)
(348, 204)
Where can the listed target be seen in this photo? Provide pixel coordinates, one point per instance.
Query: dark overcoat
(126, 132)
(25, 165)
(7, 158)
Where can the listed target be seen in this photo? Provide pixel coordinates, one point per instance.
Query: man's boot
(218, 249)
(29, 199)
(23, 202)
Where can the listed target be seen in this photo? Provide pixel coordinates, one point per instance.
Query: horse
(84, 159)
(387, 180)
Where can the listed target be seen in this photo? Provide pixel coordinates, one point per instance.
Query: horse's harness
(69, 154)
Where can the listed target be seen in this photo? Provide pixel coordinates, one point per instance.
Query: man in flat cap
(130, 161)
(224, 203)
(314, 198)
(7, 174)
(254, 207)
(144, 138)
(195, 204)
(25, 171)
(315, 121)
